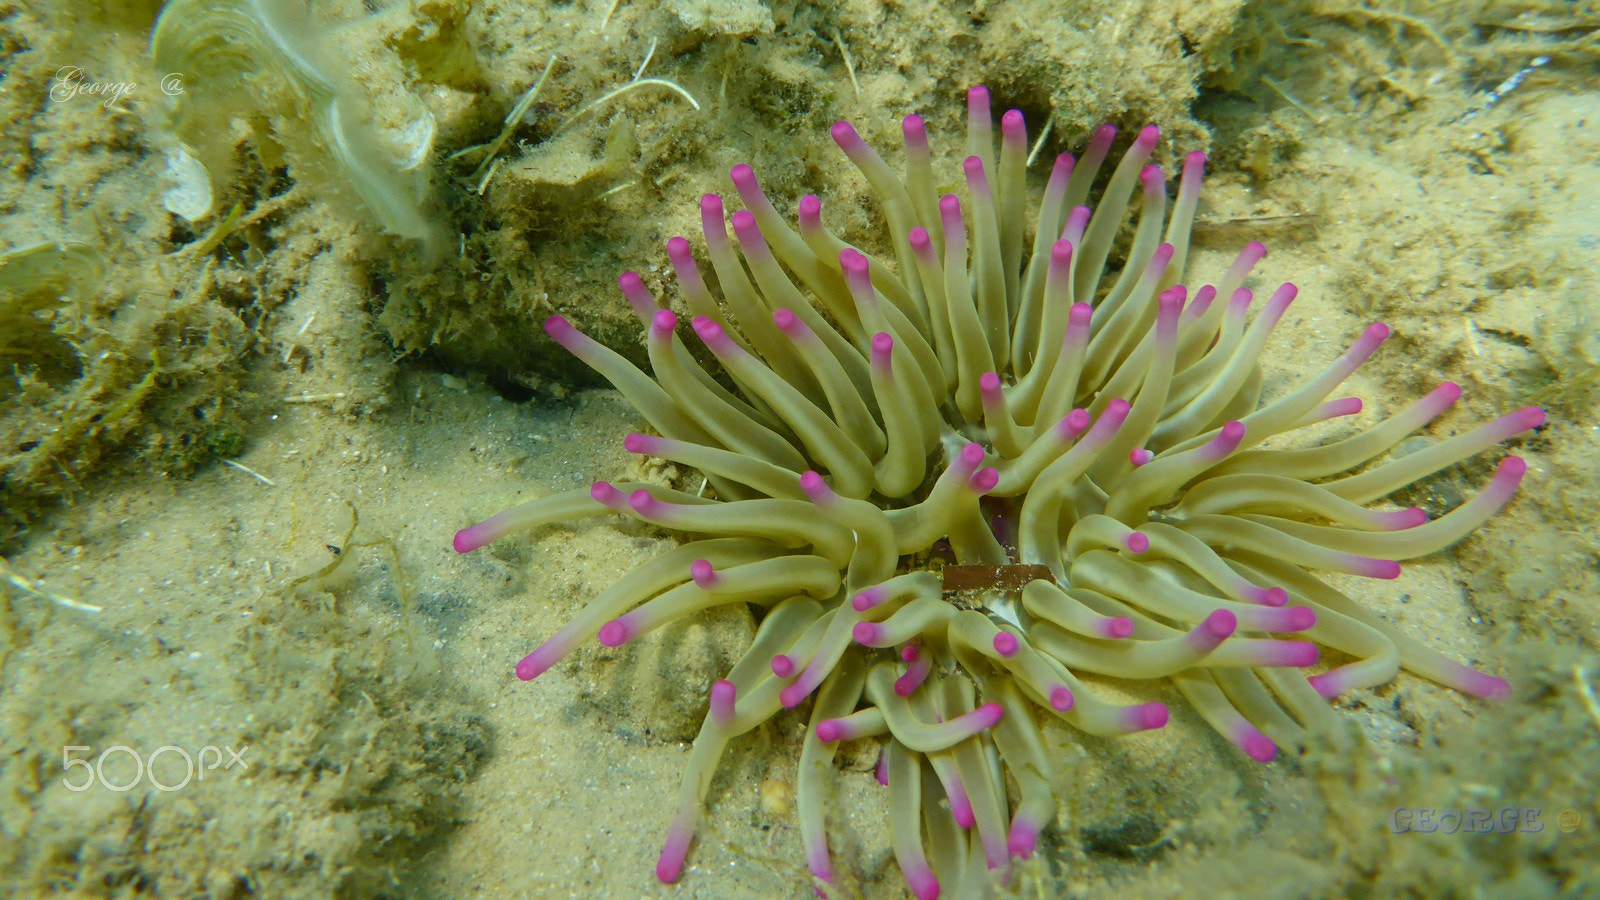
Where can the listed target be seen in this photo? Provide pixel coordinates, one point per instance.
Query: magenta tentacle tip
(1148, 716)
(988, 715)
(1484, 687)
(784, 666)
(1258, 746)
(1136, 543)
(924, 884)
(845, 135)
(703, 574)
(743, 177)
(529, 667)
(830, 731)
(1328, 685)
(869, 634)
(1220, 624)
(1061, 698)
(1023, 839)
(1117, 627)
(617, 632)
(868, 598)
(1005, 644)
(669, 867)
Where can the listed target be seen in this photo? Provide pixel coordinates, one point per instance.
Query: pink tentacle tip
(977, 181)
(617, 632)
(712, 335)
(1073, 424)
(468, 540)
(1299, 618)
(1484, 687)
(1115, 627)
(638, 443)
(950, 212)
(920, 241)
(1329, 685)
(984, 480)
(724, 695)
(988, 715)
(605, 494)
(704, 574)
(882, 348)
(744, 225)
(664, 322)
(923, 883)
(743, 177)
(809, 212)
(816, 489)
(1061, 698)
(1291, 654)
(1024, 837)
(561, 331)
(914, 130)
(1152, 179)
(844, 134)
(1369, 567)
(1216, 628)
(789, 323)
(678, 249)
(1138, 456)
(1012, 125)
(1275, 596)
(1147, 716)
(669, 867)
(1061, 258)
(1136, 543)
(971, 456)
(869, 598)
(869, 634)
(830, 731)
(1148, 137)
(536, 663)
(1256, 745)
(1005, 644)
(645, 504)
(784, 666)
(796, 693)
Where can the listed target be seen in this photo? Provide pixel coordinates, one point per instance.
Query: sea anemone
(949, 485)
